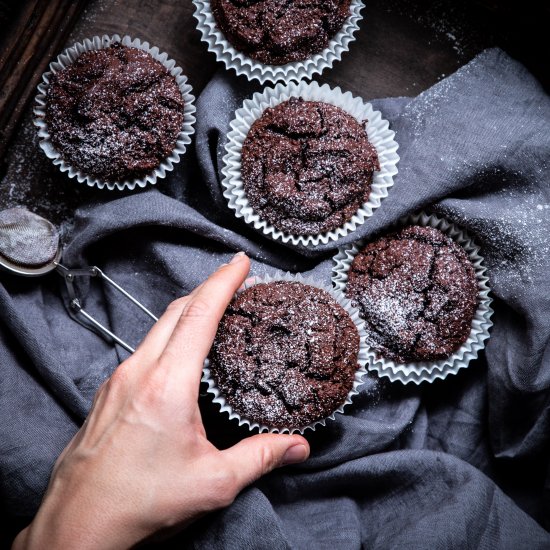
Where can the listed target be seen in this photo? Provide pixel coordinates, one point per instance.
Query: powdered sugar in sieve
(26, 239)
(30, 246)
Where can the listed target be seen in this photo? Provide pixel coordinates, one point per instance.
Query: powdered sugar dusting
(33, 182)
(285, 354)
(516, 246)
(427, 104)
(307, 166)
(276, 32)
(417, 292)
(449, 22)
(115, 113)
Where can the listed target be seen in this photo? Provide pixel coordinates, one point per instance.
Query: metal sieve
(30, 246)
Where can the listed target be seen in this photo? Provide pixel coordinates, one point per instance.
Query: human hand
(141, 463)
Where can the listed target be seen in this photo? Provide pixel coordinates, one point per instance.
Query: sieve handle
(93, 271)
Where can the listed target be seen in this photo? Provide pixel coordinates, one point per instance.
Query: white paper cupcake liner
(428, 371)
(298, 70)
(68, 57)
(362, 358)
(378, 133)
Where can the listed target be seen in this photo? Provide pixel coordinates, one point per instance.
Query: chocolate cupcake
(383, 329)
(275, 32)
(418, 293)
(307, 166)
(285, 355)
(114, 112)
(271, 40)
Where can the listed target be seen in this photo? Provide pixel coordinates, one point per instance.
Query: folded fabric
(459, 463)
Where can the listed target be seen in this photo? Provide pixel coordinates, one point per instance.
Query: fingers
(154, 343)
(196, 327)
(158, 337)
(256, 456)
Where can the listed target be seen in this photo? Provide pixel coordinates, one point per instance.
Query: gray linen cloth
(460, 463)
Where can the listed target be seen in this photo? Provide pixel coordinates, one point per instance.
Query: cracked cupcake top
(276, 32)
(417, 291)
(285, 354)
(115, 113)
(307, 166)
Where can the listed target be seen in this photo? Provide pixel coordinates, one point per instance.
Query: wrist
(60, 528)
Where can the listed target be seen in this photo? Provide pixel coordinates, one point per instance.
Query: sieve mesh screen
(26, 239)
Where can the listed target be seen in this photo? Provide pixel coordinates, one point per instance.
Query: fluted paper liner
(294, 71)
(428, 371)
(359, 373)
(68, 57)
(379, 134)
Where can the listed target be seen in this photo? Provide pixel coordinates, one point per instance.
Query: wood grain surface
(37, 30)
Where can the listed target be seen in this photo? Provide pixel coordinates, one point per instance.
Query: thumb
(256, 456)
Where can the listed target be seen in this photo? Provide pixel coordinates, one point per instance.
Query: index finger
(192, 338)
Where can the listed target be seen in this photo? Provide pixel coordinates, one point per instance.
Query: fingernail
(237, 257)
(294, 455)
